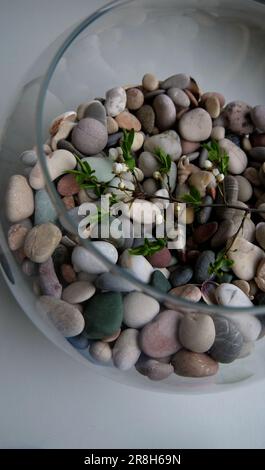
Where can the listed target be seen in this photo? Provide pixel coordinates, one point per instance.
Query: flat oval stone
(49, 282)
(114, 283)
(212, 106)
(41, 242)
(258, 117)
(146, 116)
(112, 125)
(165, 112)
(153, 369)
(248, 325)
(202, 265)
(188, 292)
(246, 257)
(100, 352)
(135, 99)
(245, 190)
(86, 261)
(78, 292)
(29, 157)
(139, 309)
(228, 340)
(168, 141)
(195, 125)
(237, 115)
(160, 259)
(102, 167)
(126, 351)
(65, 317)
(19, 201)
(103, 315)
(160, 282)
(257, 154)
(231, 296)
(150, 82)
(96, 110)
(160, 337)
(181, 275)
(179, 97)
(148, 164)
(128, 121)
(179, 80)
(67, 186)
(237, 158)
(115, 101)
(17, 234)
(197, 332)
(191, 364)
(90, 136)
(209, 94)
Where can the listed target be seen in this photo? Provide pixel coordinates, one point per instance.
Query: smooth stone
(191, 364)
(138, 142)
(169, 181)
(179, 80)
(153, 369)
(195, 125)
(204, 214)
(232, 296)
(126, 351)
(246, 257)
(148, 163)
(135, 99)
(212, 106)
(112, 125)
(150, 82)
(228, 340)
(150, 186)
(66, 145)
(189, 147)
(115, 101)
(188, 292)
(237, 158)
(181, 275)
(137, 265)
(203, 233)
(79, 342)
(165, 112)
(58, 163)
(29, 157)
(19, 200)
(103, 315)
(160, 259)
(44, 209)
(65, 317)
(210, 94)
(96, 110)
(248, 325)
(260, 275)
(160, 337)
(257, 153)
(67, 186)
(86, 261)
(128, 121)
(90, 136)
(202, 265)
(68, 273)
(168, 141)
(260, 234)
(160, 282)
(146, 116)
(114, 139)
(197, 332)
(243, 285)
(237, 115)
(245, 190)
(114, 283)
(41, 242)
(17, 233)
(49, 282)
(102, 167)
(218, 133)
(258, 117)
(179, 97)
(139, 309)
(100, 352)
(78, 292)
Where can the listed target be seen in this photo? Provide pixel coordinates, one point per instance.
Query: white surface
(46, 399)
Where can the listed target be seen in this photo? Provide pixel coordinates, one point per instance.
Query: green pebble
(160, 282)
(103, 315)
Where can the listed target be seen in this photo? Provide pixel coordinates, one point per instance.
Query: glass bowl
(219, 43)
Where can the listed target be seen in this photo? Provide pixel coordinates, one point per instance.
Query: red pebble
(204, 232)
(68, 186)
(68, 273)
(161, 259)
(69, 202)
(257, 140)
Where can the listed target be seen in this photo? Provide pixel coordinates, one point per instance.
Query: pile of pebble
(95, 309)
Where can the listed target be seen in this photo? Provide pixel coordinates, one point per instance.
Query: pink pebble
(69, 202)
(68, 273)
(161, 259)
(68, 186)
(189, 147)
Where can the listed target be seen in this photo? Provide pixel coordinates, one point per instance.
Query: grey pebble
(66, 145)
(203, 262)
(114, 283)
(165, 112)
(96, 110)
(204, 214)
(29, 157)
(203, 158)
(181, 275)
(146, 116)
(258, 154)
(228, 340)
(113, 139)
(180, 80)
(152, 94)
(79, 342)
(90, 136)
(44, 209)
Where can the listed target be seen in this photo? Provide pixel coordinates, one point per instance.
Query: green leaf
(217, 156)
(164, 160)
(194, 198)
(221, 265)
(126, 145)
(149, 248)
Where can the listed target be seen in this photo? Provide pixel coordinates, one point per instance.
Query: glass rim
(178, 302)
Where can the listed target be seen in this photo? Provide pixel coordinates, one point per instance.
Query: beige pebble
(246, 257)
(212, 105)
(243, 285)
(150, 82)
(135, 99)
(126, 350)
(218, 133)
(138, 141)
(112, 125)
(65, 317)
(126, 120)
(246, 144)
(59, 162)
(78, 292)
(69, 116)
(17, 234)
(100, 351)
(41, 242)
(189, 292)
(197, 332)
(19, 199)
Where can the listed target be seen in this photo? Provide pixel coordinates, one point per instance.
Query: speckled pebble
(195, 125)
(190, 364)
(228, 340)
(128, 121)
(188, 292)
(153, 369)
(237, 115)
(65, 317)
(115, 101)
(146, 116)
(41, 242)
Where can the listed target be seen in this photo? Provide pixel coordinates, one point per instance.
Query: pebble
(66, 145)
(159, 282)
(90, 136)
(143, 211)
(179, 80)
(114, 139)
(19, 199)
(114, 283)
(64, 131)
(160, 259)
(138, 142)
(49, 282)
(246, 257)
(218, 133)
(146, 116)
(100, 351)
(191, 364)
(258, 154)
(179, 97)
(237, 158)
(41, 242)
(44, 209)
(69, 202)
(160, 337)
(150, 82)
(115, 101)
(181, 275)
(165, 112)
(245, 190)
(202, 265)
(260, 275)
(205, 232)
(65, 317)
(126, 351)
(150, 186)
(189, 147)
(112, 125)
(258, 140)
(17, 234)
(29, 157)
(28, 267)
(153, 369)
(168, 141)
(103, 315)
(113, 337)
(135, 99)
(68, 186)
(212, 106)
(55, 124)
(188, 292)
(128, 121)
(59, 162)
(137, 265)
(258, 117)
(228, 340)
(148, 164)
(139, 309)
(79, 341)
(232, 296)
(78, 292)
(197, 332)
(86, 261)
(68, 273)
(237, 115)
(242, 285)
(195, 125)
(204, 214)
(102, 167)
(248, 325)
(260, 234)
(95, 110)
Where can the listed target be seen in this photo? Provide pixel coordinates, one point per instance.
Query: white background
(46, 399)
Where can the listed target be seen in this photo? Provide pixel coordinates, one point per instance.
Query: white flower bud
(121, 185)
(208, 165)
(118, 168)
(216, 172)
(113, 154)
(157, 175)
(220, 178)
